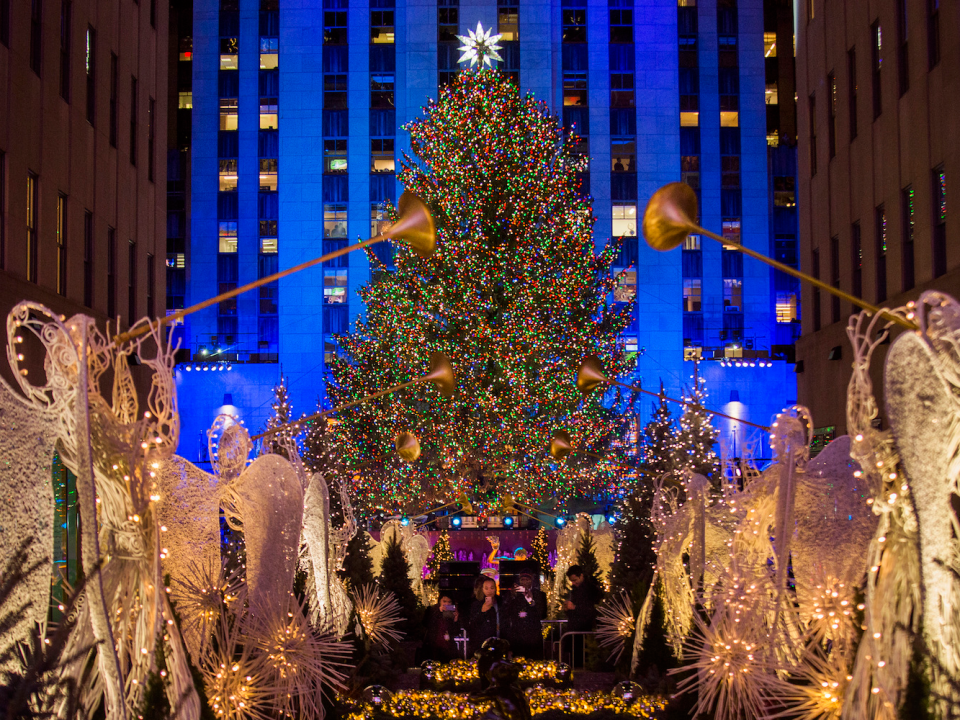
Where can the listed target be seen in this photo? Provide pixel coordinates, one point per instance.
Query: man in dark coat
(523, 613)
(581, 608)
(442, 626)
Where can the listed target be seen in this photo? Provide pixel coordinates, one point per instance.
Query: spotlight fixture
(456, 522)
(404, 521)
(188, 368)
(508, 521)
(561, 521)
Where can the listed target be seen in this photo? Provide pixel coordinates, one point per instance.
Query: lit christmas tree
(660, 443)
(282, 414)
(697, 436)
(541, 552)
(395, 578)
(441, 554)
(515, 295)
(635, 561)
(587, 560)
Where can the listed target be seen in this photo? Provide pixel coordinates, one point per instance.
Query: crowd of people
(514, 615)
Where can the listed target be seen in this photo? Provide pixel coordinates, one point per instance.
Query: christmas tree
(541, 552)
(357, 569)
(515, 296)
(441, 554)
(634, 564)
(697, 435)
(587, 560)
(659, 444)
(282, 415)
(395, 578)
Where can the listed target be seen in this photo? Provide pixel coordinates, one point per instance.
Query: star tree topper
(479, 46)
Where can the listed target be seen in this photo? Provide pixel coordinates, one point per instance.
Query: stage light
(611, 519)
(404, 521)
(561, 522)
(456, 522)
(508, 521)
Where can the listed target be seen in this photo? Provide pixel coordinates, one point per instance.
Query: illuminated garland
(464, 672)
(516, 296)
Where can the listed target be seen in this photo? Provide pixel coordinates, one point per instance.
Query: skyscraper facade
(879, 148)
(297, 134)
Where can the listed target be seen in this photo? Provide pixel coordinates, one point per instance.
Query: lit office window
(731, 230)
(268, 174)
(268, 246)
(574, 88)
(378, 221)
(334, 286)
(228, 113)
(508, 23)
(381, 155)
(626, 290)
(381, 27)
(689, 119)
(269, 53)
(269, 114)
(786, 307)
(335, 156)
(229, 54)
(692, 294)
(622, 153)
(729, 119)
(185, 100)
(733, 295)
(228, 174)
(334, 220)
(228, 236)
(691, 242)
(624, 220)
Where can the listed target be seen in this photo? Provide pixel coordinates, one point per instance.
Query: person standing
(581, 608)
(523, 613)
(484, 619)
(442, 625)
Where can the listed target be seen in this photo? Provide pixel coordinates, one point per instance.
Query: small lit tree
(697, 436)
(282, 415)
(587, 560)
(541, 552)
(395, 578)
(633, 566)
(357, 569)
(660, 444)
(441, 554)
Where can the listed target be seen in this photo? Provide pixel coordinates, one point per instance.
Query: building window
(626, 290)
(267, 265)
(624, 220)
(784, 191)
(228, 174)
(907, 210)
(66, 12)
(903, 54)
(381, 155)
(852, 90)
(876, 44)
(334, 286)
(269, 171)
(856, 260)
(448, 20)
(32, 219)
(334, 27)
(229, 53)
(621, 25)
(228, 236)
(132, 283)
(134, 95)
(111, 273)
(90, 63)
(114, 91)
(36, 35)
(229, 113)
(269, 53)
(731, 230)
(381, 27)
(573, 22)
(61, 244)
(689, 119)
(379, 221)
(733, 295)
(334, 220)
(933, 33)
(880, 227)
(269, 114)
(691, 242)
(835, 277)
(623, 153)
(939, 221)
(832, 126)
(88, 258)
(813, 134)
(381, 91)
(508, 22)
(151, 136)
(268, 246)
(692, 295)
(335, 156)
(786, 307)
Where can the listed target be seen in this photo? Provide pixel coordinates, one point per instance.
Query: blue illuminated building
(295, 111)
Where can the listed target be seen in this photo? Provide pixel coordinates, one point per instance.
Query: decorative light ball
(564, 672)
(376, 695)
(627, 691)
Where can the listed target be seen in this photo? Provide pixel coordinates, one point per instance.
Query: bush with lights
(462, 675)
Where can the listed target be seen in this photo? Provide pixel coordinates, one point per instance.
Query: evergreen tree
(282, 415)
(635, 561)
(357, 565)
(541, 552)
(395, 577)
(659, 444)
(515, 296)
(441, 554)
(698, 436)
(587, 560)
(656, 655)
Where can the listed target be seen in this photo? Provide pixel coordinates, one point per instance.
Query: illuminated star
(479, 46)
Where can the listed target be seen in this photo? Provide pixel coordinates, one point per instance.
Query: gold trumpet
(408, 446)
(414, 226)
(440, 374)
(561, 446)
(668, 220)
(465, 506)
(590, 375)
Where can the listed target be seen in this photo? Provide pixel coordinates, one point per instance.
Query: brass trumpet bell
(441, 374)
(590, 374)
(669, 216)
(414, 225)
(408, 446)
(560, 445)
(465, 505)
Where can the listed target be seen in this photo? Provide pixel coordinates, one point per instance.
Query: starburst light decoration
(479, 46)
